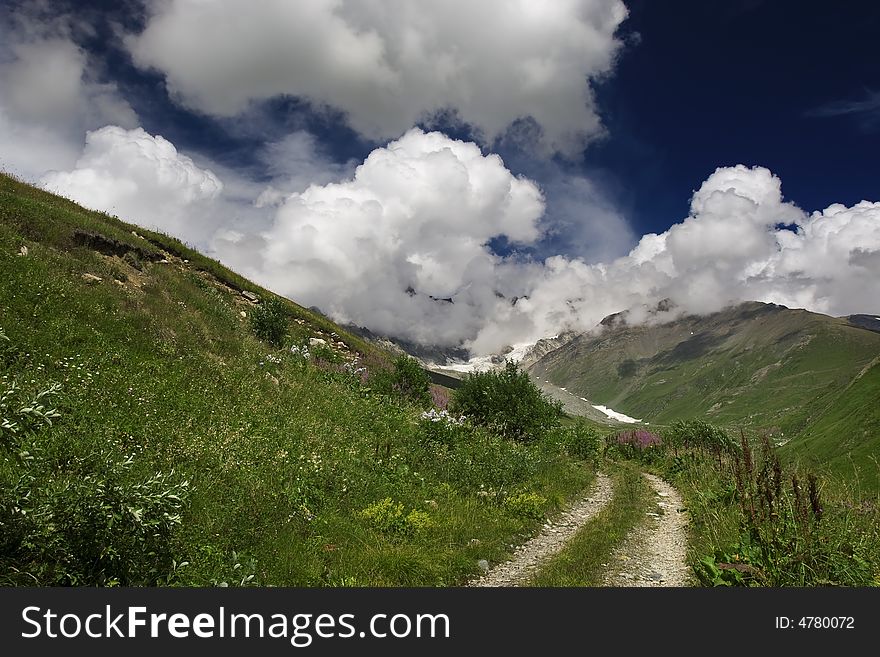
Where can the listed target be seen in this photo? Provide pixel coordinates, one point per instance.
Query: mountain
(810, 380)
(870, 322)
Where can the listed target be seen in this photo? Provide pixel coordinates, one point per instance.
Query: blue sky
(211, 121)
(707, 86)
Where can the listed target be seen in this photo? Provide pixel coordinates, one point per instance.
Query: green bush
(389, 518)
(269, 321)
(411, 381)
(637, 444)
(405, 379)
(580, 441)
(700, 436)
(68, 518)
(508, 403)
(439, 427)
(98, 528)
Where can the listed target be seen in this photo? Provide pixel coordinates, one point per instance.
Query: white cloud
(388, 65)
(411, 224)
(740, 242)
(141, 178)
(418, 213)
(50, 98)
(385, 247)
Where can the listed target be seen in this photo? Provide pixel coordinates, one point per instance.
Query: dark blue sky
(703, 86)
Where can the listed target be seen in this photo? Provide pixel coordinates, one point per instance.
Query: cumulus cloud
(402, 244)
(740, 242)
(51, 96)
(142, 178)
(410, 229)
(388, 65)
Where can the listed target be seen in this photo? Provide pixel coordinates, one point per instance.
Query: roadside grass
(584, 560)
(756, 521)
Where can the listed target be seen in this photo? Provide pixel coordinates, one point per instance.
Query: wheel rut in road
(655, 552)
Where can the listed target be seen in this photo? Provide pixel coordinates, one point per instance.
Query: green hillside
(187, 450)
(804, 377)
(844, 439)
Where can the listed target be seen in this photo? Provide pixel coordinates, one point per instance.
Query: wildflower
(639, 438)
(442, 416)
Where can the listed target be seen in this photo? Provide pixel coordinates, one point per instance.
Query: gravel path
(655, 552)
(519, 570)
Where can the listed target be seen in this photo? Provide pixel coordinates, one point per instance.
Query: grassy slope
(756, 365)
(844, 439)
(282, 455)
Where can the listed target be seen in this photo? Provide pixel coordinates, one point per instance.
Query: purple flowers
(639, 438)
(440, 397)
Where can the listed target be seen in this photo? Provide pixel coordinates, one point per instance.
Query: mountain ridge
(760, 367)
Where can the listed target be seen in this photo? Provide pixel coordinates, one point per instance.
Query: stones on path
(655, 552)
(91, 279)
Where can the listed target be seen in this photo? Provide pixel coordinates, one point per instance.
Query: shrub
(18, 417)
(528, 506)
(94, 529)
(405, 379)
(418, 521)
(269, 321)
(701, 436)
(71, 519)
(508, 403)
(638, 444)
(580, 441)
(411, 381)
(386, 515)
(389, 518)
(440, 427)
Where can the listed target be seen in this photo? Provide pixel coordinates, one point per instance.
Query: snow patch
(614, 415)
